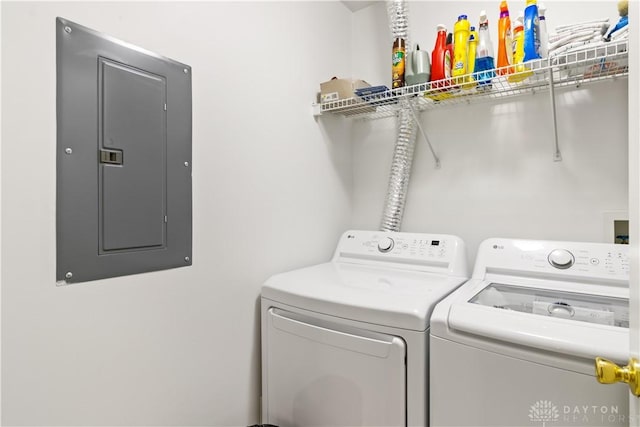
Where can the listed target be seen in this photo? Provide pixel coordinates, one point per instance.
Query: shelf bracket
(557, 157)
(424, 135)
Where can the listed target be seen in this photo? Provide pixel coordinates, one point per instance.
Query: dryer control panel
(414, 251)
(595, 261)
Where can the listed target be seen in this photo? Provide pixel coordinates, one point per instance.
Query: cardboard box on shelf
(335, 89)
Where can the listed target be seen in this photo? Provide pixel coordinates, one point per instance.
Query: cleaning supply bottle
(441, 58)
(417, 67)
(450, 49)
(521, 71)
(409, 78)
(531, 31)
(544, 36)
(398, 62)
(505, 41)
(440, 67)
(484, 57)
(471, 61)
(460, 49)
(623, 11)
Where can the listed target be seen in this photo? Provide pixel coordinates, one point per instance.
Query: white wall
(498, 177)
(273, 189)
(271, 192)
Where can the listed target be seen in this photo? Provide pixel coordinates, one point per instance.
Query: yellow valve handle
(608, 372)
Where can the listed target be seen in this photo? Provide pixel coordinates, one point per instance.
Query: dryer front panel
(325, 374)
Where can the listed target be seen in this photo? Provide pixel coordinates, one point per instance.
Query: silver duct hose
(406, 140)
(400, 172)
(398, 13)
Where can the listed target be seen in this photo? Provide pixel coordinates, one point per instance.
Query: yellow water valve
(608, 372)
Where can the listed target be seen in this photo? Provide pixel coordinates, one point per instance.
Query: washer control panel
(578, 259)
(410, 249)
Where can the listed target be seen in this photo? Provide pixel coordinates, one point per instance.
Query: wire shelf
(578, 67)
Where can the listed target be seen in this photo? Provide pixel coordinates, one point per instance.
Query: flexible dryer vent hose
(398, 14)
(406, 140)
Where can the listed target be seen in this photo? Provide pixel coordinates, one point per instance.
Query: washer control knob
(561, 258)
(385, 244)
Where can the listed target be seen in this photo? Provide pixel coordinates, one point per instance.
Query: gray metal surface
(131, 118)
(124, 137)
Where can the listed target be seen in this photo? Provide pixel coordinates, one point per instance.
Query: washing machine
(345, 343)
(515, 345)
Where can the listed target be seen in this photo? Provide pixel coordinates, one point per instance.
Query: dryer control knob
(561, 258)
(385, 244)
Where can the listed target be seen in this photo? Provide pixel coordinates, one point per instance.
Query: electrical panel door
(123, 160)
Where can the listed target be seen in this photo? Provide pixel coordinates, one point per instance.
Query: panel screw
(186, 71)
(186, 259)
(68, 150)
(69, 275)
(186, 164)
(67, 29)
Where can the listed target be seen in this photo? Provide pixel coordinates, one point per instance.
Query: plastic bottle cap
(520, 17)
(541, 9)
(441, 27)
(503, 6)
(483, 16)
(472, 29)
(461, 17)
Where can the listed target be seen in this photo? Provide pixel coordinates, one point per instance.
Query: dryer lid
(382, 296)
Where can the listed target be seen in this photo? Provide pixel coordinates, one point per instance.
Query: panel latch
(111, 157)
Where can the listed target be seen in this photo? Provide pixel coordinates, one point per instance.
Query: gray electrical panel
(123, 158)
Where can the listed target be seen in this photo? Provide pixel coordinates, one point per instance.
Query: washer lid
(382, 296)
(566, 321)
(573, 306)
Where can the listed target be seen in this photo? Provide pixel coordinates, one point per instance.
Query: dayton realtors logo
(544, 411)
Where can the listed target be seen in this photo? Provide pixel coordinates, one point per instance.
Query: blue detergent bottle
(484, 66)
(531, 31)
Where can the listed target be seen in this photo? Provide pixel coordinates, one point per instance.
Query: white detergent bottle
(544, 36)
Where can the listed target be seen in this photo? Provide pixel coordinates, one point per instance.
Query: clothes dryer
(515, 346)
(346, 343)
